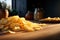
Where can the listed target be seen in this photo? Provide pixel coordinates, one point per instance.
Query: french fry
(15, 23)
(27, 28)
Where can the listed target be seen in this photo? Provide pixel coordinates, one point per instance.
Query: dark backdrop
(51, 7)
(20, 6)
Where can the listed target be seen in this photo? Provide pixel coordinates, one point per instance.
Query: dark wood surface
(51, 32)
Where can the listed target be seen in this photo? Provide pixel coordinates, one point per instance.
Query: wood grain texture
(51, 30)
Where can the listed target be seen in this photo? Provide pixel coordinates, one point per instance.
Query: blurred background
(50, 8)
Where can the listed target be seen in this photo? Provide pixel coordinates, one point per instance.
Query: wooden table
(51, 32)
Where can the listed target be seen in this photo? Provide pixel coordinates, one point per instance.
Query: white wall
(9, 2)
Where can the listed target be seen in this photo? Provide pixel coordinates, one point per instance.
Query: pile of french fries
(15, 23)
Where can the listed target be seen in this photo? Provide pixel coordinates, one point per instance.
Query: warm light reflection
(17, 28)
(54, 18)
(11, 31)
(58, 18)
(49, 17)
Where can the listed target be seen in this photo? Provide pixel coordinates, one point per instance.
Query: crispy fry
(16, 23)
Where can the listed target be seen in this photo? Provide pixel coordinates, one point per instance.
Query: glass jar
(29, 15)
(38, 14)
(35, 12)
(4, 13)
